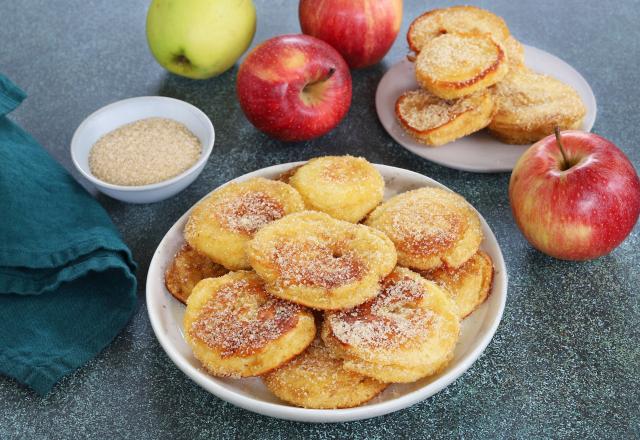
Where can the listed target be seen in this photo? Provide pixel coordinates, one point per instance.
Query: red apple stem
(565, 161)
(330, 73)
(310, 85)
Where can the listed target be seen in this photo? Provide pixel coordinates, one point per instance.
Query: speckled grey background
(565, 360)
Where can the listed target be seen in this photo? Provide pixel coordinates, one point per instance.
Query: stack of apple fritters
(472, 75)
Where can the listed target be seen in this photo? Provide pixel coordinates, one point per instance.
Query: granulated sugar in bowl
(144, 152)
(144, 149)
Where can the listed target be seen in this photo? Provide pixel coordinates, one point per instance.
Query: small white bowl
(119, 113)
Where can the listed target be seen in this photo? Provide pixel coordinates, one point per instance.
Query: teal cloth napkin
(66, 278)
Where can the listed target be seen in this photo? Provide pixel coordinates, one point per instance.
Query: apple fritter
(430, 227)
(456, 19)
(345, 187)
(315, 260)
(317, 379)
(187, 269)
(407, 332)
(468, 285)
(235, 328)
(435, 121)
(454, 65)
(531, 105)
(221, 225)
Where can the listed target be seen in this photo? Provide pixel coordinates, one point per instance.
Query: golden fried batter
(430, 227)
(455, 65)
(313, 259)
(435, 121)
(456, 19)
(235, 328)
(187, 269)
(407, 332)
(316, 379)
(469, 285)
(221, 225)
(345, 187)
(530, 105)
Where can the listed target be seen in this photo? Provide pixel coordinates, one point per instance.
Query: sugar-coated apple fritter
(315, 260)
(455, 19)
(317, 379)
(468, 285)
(221, 225)
(530, 105)
(345, 187)
(455, 65)
(407, 332)
(187, 269)
(430, 227)
(235, 328)
(435, 121)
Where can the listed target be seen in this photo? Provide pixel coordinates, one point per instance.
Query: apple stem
(565, 161)
(182, 60)
(310, 85)
(330, 74)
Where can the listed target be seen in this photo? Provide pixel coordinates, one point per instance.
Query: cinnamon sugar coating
(313, 259)
(236, 328)
(430, 227)
(221, 225)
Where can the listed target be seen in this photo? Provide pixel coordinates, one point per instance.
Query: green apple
(200, 38)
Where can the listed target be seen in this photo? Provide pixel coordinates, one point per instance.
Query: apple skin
(583, 212)
(361, 30)
(294, 87)
(200, 39)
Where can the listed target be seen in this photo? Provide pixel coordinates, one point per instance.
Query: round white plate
(166, 314)
(479, 152)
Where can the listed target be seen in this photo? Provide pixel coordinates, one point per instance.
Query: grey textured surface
(565, 360)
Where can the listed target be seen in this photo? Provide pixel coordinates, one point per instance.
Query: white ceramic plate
(166, 314)
(479, 152)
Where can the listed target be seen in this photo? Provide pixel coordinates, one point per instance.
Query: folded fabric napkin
(66, 278)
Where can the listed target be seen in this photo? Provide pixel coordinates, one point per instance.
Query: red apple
(361, 30)
(575, 196)
(294, 87)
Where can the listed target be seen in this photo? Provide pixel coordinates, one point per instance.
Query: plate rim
(293, 413)
(587, 124)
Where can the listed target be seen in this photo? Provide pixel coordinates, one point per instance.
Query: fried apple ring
(430, 227)
(515, 53)
(345, 187)
(285, 176)
(531, 105)
(221, 225)
(235, 328)
(455, 65)
(315, 260)
(456, 19)
(316, 379)
(187, 268)
(407, 332)
(469, 285)
(435, 121)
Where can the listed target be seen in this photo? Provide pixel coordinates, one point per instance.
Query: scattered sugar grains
(249, 212)
(144, 152)
(426, 111)
(387, 321)
(243, 318)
